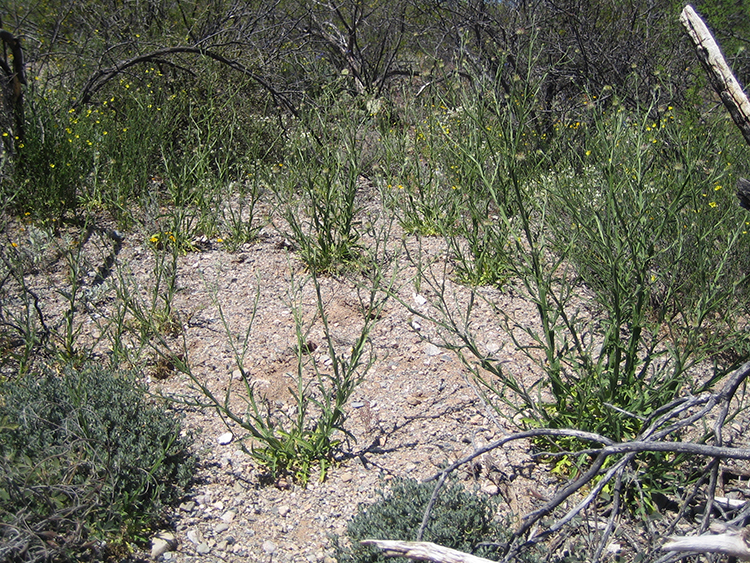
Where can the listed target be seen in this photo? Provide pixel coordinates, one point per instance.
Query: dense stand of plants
(602, 193)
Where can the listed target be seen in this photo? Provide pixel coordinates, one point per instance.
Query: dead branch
(12, 80)
(100, 78)
(424, 551)
(719, 74)
(733, 542)
(656, 437)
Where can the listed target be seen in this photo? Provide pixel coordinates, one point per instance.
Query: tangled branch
(666, 422)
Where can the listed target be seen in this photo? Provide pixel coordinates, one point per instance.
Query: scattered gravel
(416, 410)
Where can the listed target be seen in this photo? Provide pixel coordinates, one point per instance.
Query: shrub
(86, 462)
(459, 520)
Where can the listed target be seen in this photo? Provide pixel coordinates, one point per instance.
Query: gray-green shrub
(459, 520)
(84, 458)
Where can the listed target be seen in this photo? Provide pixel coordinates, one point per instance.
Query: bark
(12, 80)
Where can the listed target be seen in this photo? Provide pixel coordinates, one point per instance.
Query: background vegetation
(569, 149)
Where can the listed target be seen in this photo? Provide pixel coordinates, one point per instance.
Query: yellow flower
(712, 204)
(717, 188)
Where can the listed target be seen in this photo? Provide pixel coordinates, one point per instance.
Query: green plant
(459, 519)
(626, 247)
(239, 214)
(85, 456)
(318, 192)
(295, 443)
(643, 234)
(418, 178)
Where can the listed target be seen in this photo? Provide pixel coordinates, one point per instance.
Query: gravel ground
(416, 409)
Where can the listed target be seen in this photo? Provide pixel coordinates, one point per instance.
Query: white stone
(614, 548)
(269, 547)
(431, 349)
(490, 489)
(226, 438)
(203, 549)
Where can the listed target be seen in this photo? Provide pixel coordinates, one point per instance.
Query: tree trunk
(12, 79)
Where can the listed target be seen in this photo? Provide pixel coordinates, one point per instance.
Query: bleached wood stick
(733, 543)
(424, 551)
(719, 74)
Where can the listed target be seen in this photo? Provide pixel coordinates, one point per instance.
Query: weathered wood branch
(719, 74)
(732, 542)
(424, 551)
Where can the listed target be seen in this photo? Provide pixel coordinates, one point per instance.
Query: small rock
(419, 300)
(283, 510)
(225, 438)
(614, 548)
(431, 349)
(346, 477)
(490, 489)
(493, 347)
(187, 506)
(283, 484)
(203, 549)
(228, 516)
(358, 404)
(269, 547)
(161, 543)
(194, 536)
(416, 326)
(223, 527)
